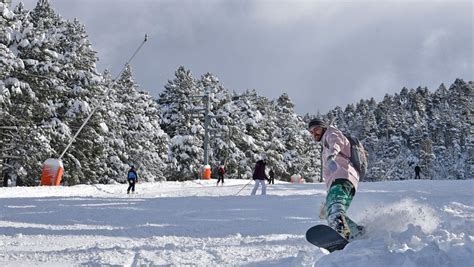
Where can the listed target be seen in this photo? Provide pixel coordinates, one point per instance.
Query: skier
(260, 176)
(417, 172)
(220, 175)
(272, 177)
(340, 177)
(132, 178)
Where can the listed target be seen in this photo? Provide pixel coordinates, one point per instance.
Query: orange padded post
(296, 178)
(207, 173)
(52, 172)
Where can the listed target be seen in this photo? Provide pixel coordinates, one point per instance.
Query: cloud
(432, 41)
(322, 53)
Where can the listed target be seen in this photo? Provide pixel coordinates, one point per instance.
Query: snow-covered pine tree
(133, 134)
(416, 127)
(277, 151)
(176, 101)
(59, 71)
(242, 121)
(254, 121)
(22, 137)
(458, 128)
(72, 87)
(176, 104)
(233, 136)
(297, 153)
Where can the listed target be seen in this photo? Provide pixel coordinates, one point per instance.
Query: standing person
(132, 179)
(260, 176)
(220, 175)
(340, 176)
(417, 172)
(272, 177)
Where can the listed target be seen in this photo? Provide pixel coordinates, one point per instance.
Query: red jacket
(221, 171)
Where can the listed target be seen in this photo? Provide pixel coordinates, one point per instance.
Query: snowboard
(325, 237)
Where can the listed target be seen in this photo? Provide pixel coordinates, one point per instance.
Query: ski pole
(243, 187)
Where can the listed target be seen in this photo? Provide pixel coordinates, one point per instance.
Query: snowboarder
(132, 179)
(260, 176)
(220, 175)
(340, 177)
(272, 177)
(417, 172)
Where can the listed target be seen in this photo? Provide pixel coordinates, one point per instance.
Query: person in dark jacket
(132, 179)
(260, 176)
(417, 172)
(220, 175)
(272, 177)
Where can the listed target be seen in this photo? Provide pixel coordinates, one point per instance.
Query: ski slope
(410, 223)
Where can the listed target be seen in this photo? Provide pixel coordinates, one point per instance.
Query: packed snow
(409, 223)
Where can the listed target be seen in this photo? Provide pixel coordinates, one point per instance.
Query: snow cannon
(52, 172)
(206, 174)
(296, 178)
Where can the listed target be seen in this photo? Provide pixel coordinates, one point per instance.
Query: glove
(332, 165)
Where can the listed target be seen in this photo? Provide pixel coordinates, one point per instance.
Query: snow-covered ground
(410, 223)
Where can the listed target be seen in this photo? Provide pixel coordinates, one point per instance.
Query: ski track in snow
(409, 223)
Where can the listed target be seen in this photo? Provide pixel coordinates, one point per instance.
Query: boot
(360, 232)
(340, 225)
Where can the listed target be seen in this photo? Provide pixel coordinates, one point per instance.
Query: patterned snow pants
(338, 200)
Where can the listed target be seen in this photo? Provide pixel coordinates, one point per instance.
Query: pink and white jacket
(335, 143)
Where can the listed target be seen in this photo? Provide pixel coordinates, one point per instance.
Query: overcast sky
(321, 53)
